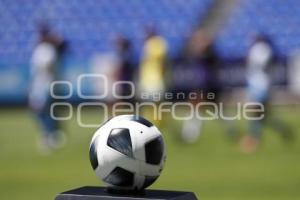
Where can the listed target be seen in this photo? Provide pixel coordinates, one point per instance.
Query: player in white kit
(44, 62)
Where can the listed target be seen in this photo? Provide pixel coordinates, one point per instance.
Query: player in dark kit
(203, 61)
(127, 65)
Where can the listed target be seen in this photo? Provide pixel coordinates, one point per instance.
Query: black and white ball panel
(154, 150)
(133, 118)
(149, 180)
(93, 153)
(120, 177)
(140, 120)
(120, 140)
(139, 126)
(112, 159)
(149, 170)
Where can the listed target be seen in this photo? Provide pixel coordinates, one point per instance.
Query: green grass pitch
(213, 167)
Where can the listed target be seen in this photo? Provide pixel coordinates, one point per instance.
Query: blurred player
(127, 65)
(106, 65)
(261, 58)
(203, 62)
(114, 66)
(152, 67)
(44, 63)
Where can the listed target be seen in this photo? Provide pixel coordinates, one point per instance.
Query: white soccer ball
(127, 153)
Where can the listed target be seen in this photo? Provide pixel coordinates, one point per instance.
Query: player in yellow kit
(153, 64)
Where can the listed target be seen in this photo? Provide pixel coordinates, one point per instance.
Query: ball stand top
(100, 193)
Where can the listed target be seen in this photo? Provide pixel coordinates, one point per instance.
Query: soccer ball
(127, 153)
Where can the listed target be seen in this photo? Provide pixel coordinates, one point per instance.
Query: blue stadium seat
(275, 18)
(89, 25)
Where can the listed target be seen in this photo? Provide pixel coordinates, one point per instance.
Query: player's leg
(251, 141)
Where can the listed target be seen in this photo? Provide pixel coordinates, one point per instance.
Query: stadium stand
(90, 25)
(275, 18)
